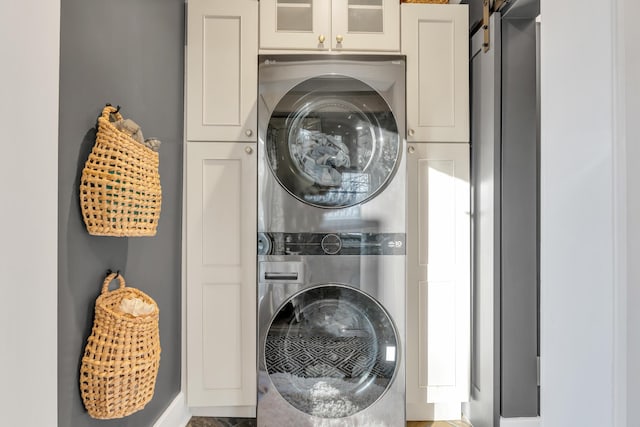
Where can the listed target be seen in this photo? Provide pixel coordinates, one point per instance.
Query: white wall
(577, 274)
(631, 36)
(28, 193)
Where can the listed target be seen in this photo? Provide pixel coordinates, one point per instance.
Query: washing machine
(331, 243)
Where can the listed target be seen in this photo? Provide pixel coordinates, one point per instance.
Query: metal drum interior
(332, 142)
(331, 351)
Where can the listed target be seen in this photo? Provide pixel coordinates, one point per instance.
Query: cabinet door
(366, 25)
(221, 275)
(295, 24)
(438, 276)
(436, 42)
(222, 64)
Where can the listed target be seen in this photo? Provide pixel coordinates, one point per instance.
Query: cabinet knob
(248, 150)
(412, 132)
(412, 149)
(248, 132)
(339, 39)
(321, 38)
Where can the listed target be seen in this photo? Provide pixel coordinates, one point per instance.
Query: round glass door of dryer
(332, 142)
(331, 351)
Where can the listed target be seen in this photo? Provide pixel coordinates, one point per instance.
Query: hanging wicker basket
(120, 193)
(121, 359)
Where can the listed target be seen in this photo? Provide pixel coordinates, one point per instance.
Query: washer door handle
(281, 276)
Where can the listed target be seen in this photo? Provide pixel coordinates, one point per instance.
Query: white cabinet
(435, 39)
(222, 67)
(338, 25)
(220, 215)
(438, 278)
(221, 277)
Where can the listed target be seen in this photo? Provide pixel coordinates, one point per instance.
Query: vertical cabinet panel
(437, 210)
(438, 275)
(436, 106)
(221, 177)
(221, 45)
(222, 305)
(222, 48)
(220, 274)
(435, 40)
(442, 318)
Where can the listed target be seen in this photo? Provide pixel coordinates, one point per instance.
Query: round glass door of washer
(332, 142)
(331, 351)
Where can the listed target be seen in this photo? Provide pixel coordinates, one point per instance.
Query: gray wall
(131, 54)
(519, 162)
(512, 8)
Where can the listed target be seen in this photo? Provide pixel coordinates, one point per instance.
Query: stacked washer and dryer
(331, 243)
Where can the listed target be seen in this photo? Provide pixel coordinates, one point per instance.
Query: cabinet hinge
(538, 370)
(487, 10)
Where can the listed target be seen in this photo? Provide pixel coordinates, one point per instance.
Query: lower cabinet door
(438, 279)
(221, 276)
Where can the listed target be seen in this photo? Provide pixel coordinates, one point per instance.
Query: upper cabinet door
(295, 24)
(350, 25)
(222, 64)
(435, 40)
(366, 25)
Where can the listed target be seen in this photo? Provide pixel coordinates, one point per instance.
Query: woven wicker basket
(120, 193)
(121, 359)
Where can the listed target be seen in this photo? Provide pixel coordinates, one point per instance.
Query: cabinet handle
(321, 38)
(248, 132)
(412, 132)
(339, 39)
(412, 149)
(248, 150)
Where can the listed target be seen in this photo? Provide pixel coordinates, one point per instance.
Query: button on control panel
(331, 244)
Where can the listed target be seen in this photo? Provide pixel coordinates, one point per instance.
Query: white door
(438, 282)
(353, 25)
(484, 406)
(295, 24)
(330, 352)
(369, 25)
(221, 276)
(222, 70)
(313, 133)
(435, 39)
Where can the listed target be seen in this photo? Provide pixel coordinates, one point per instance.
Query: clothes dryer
(331, 143)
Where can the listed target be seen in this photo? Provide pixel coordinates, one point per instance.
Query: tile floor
(247, 422)
(438, 424)
(221, 422)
